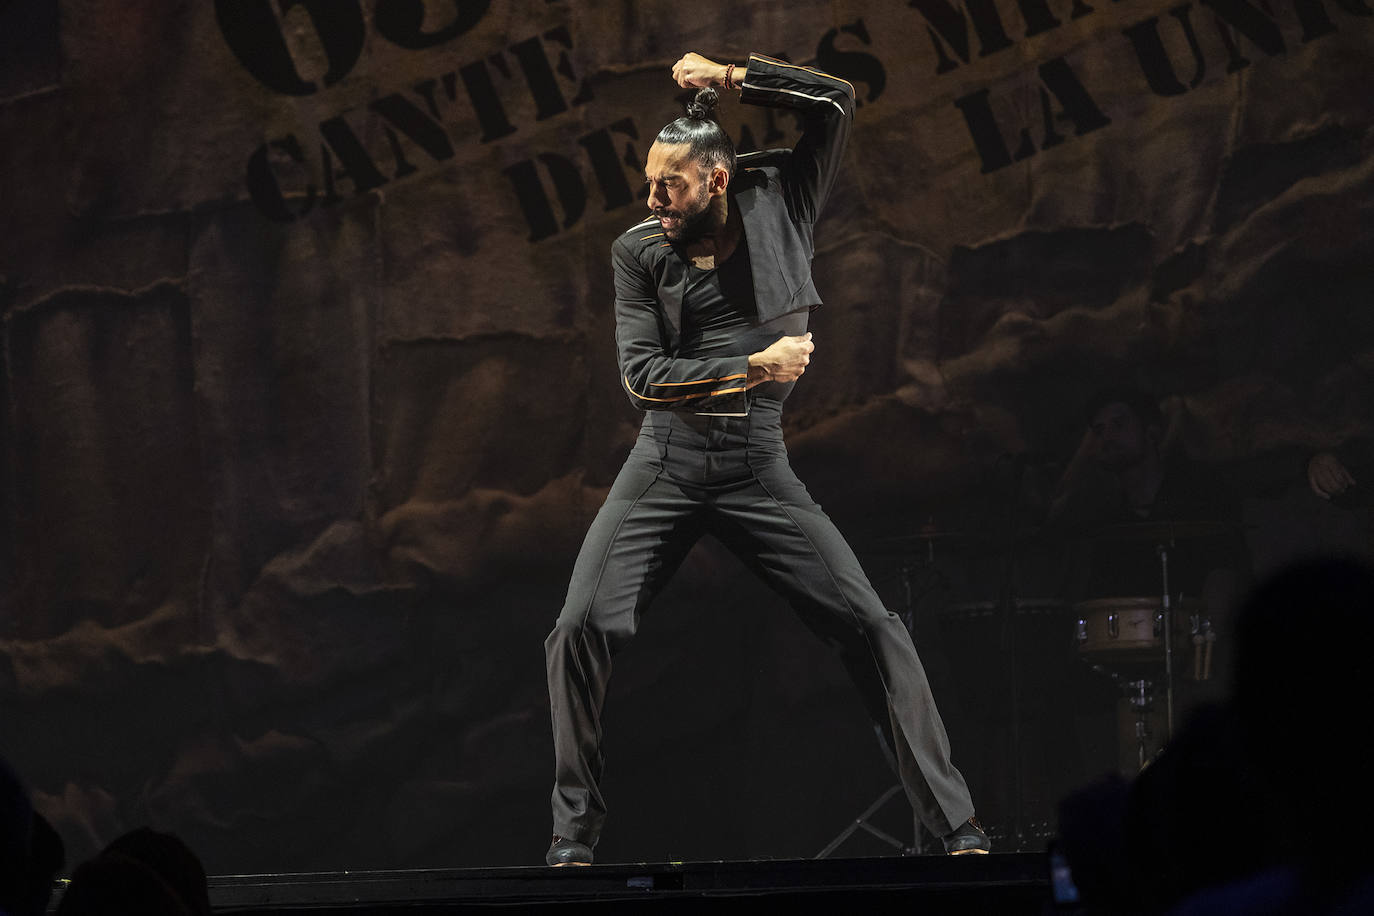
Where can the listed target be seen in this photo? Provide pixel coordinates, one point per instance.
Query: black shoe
(968, 840)
(564, 851)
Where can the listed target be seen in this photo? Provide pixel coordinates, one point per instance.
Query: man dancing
(712, 298)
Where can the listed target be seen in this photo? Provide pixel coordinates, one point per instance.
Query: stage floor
(999, 883)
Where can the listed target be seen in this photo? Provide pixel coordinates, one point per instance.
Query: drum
(1131, 630)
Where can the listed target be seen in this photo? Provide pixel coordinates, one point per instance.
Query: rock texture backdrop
(310, 390)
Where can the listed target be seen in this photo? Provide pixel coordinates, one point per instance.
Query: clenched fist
(696, 72)
(783, 361)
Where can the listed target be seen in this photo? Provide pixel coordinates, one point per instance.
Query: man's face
(1122, 439)
(680, 190)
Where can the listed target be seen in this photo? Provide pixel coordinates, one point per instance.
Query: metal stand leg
(1168, 641)
(1139, 692)
(861, 823)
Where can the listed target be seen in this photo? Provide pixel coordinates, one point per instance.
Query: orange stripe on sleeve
(700, 381)
(685, 397)
(788, 66)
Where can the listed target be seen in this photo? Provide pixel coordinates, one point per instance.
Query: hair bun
(700, 108)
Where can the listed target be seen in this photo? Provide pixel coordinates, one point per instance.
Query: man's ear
(719, 181)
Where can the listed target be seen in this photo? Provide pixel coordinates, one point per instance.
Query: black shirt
(720, 318)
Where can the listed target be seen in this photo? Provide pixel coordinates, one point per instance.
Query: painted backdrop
(310, 391)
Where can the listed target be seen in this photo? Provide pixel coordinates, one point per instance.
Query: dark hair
(1145, 407)
(708, 142)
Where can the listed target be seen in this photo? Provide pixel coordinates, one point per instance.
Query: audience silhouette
(1258, 805)
(31, 852)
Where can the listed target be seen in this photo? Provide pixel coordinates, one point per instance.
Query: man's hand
(783, 361)
(1327, 476)
(696, 72)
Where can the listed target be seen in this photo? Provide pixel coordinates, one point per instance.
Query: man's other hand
(1327, 476)
(783, 361)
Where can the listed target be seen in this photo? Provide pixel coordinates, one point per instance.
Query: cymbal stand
(1162, 549)
(908, 614)
(1141, 700)
(929, 582)
(1007, 610)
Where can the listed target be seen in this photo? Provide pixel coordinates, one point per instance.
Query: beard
(688, 222)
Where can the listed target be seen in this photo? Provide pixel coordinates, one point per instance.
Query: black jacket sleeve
(826, 104)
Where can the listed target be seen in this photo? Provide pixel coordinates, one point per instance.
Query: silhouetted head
(143, 871)
(31, 852)
(689, 166)
(16, 819)
(172, 859)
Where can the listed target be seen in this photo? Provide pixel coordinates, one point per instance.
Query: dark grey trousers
(729, 477)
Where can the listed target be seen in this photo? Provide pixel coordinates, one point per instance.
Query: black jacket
(780, 194)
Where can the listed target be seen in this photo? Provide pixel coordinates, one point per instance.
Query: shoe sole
(970, 852)
(573, 864)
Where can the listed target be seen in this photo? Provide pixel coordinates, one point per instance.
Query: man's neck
(720, 237)
(717, 238)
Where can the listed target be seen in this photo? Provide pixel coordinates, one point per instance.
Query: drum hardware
(1163, 550)
(1126, 640)
(1113, 635)
(1142, 703)
(1204, 638)
(1165, 534)
(861, 823)
(1136, 706)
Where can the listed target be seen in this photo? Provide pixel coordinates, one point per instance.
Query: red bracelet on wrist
(729, 72)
